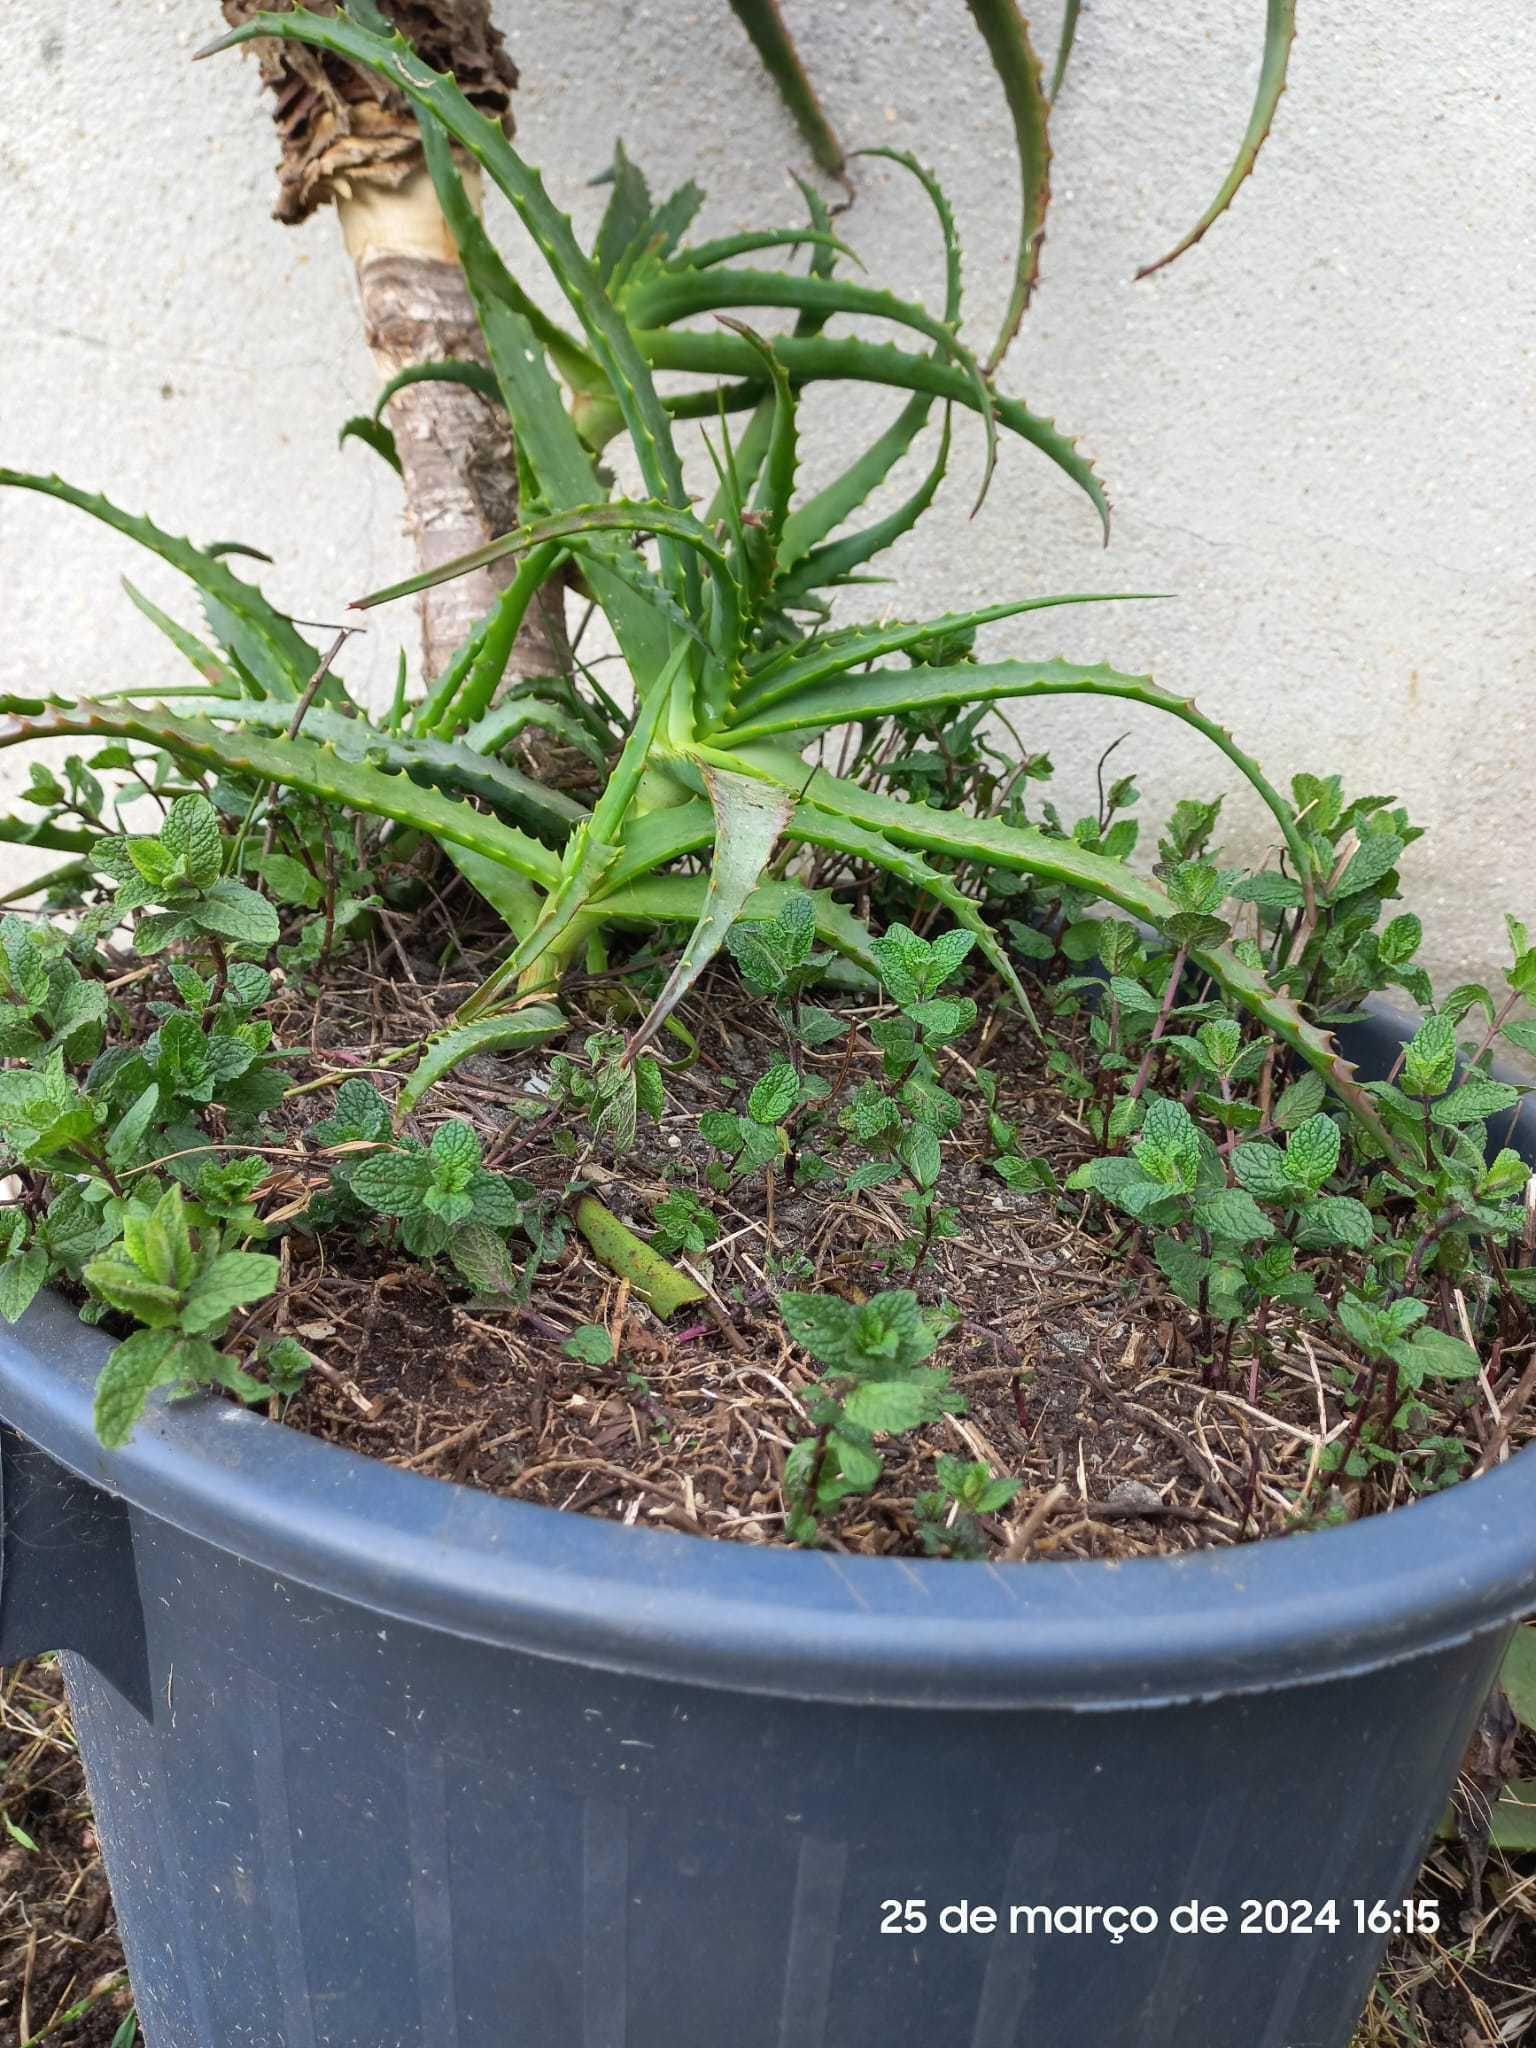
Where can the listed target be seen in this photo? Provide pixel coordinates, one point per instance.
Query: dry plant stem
(456, 452)
(1170, 997)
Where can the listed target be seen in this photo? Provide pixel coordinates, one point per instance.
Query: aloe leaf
(679, 899)
(676, 295)
(53, 838)
(201, 656)
(650, 840)
(512, 896)
(759, 540)
(658, 1283)
(547, 439)
(530, 1025)
(750, 816)
(771, 39)
(1064, 43)
(626, 217)
(841, 357)
(514, 714)
(294, 764)
(434, 763)
(286, 659)
(1022, 848)
(1279, 34)
(482, 676)
(835, 563)
(832, 654)
(704, 255)
(617, 516)
(476, 377)
(883, 691)
(816, 826)
(820, 514)
(373, 434)
(1006, 35)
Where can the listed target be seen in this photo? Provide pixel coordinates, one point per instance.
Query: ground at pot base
(58, 1934)
(1473, 1987)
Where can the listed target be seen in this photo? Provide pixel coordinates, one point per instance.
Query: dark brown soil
(1076, 1363)
(58, 1934)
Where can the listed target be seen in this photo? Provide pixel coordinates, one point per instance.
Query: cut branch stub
(342, 126)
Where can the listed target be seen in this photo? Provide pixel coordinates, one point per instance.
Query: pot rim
(809, 1625)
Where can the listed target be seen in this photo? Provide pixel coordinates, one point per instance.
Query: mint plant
(949, 1516)
(876, 1382)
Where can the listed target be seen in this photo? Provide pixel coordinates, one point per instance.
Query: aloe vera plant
(735, 673)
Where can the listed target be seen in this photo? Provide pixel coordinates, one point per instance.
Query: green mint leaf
(1312, 1152)
(1429, 1065)
(589, 1345)
(392, 1182)
(232, 911)
(775, 1094)
(140, 1363)
(228, 1282)
(190, 835)
(21, 1275)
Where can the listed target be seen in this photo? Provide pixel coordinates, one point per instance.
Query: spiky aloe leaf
(680, 899)
(476, 377)
(826, 357)
(795, 670)
(1279, 34)
(53, 838)
(286, 659)
(547, 439)
(626, 217)
(532, 1024)
(432, 763)
(838, 500)
(653, 839)
(1006, 35)
(814, 826)
(771, 39)
(883, 691)
(676, 295)
(512, 896)
(373, 434)
(488, 664)
(726, 248)
(1025, 850)
(750, 816)
(292, 764)
(571, 529)
(202, 657)
(514, 714)
(608, 336)
(1064, 42)
(824, 567)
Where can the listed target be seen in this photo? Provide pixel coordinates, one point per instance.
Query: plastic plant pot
(382, 1762)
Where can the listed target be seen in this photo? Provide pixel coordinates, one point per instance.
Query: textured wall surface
(1317, 428)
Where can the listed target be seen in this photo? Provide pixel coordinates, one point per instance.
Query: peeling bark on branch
(349, 139)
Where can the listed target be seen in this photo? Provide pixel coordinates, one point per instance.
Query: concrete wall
(1317, 428)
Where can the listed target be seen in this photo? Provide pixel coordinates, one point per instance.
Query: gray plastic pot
(380, 1762)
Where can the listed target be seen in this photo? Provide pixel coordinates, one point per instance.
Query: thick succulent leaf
(824, 357)
(293, 764)
(547, 439)
(959, 836)
(512, 896)
(838, 500)
(831, 654)
(651, 839)
(33, 832)
(680, 899)
(514, 714)
(433, 763)
(287, 661)
(750, 816)
(626, 216)
(373, 434)
(515, 1031)
(704, 255)
(571, 529)
(202, 657)
(827, 566)
(677, 295)
(1006, 35)
(482, 676)
(1279, 34)
(881, 692)
(771, 39)
(815, 826)
(658, 1283)
(1064, 42)
(476, 377)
